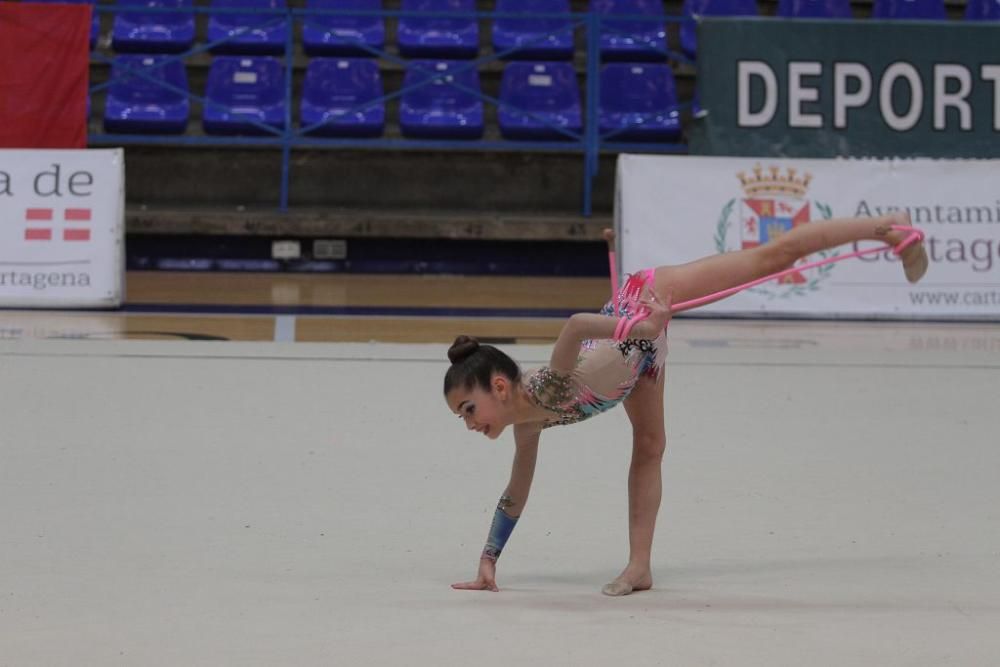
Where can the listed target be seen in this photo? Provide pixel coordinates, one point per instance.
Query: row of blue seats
(638, 101)
(550, 39)
(529, 38)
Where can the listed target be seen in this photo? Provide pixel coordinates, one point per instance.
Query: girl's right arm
(591, 326)
(509, 509)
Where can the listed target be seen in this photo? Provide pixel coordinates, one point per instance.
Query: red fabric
(44, 57)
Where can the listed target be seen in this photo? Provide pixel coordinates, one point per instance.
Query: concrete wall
(542, 183)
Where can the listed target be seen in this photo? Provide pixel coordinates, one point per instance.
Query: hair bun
(462, 349)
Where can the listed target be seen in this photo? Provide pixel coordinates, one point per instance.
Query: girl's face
(484, 411)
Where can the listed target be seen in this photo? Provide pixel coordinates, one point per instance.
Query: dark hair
(473, 364)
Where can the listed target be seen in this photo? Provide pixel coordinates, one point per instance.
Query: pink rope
(626, 324)
(694, 303)
(614, 279)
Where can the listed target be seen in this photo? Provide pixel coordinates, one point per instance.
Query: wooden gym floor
(426, 309)
(322, 308)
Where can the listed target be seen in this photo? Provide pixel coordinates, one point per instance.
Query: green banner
(824, 88)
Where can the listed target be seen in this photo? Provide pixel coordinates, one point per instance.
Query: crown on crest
(774, 182)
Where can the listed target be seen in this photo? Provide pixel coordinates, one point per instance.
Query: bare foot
(627, 583)
(914, 255)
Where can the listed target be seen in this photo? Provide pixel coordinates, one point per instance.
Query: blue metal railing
(589, 143)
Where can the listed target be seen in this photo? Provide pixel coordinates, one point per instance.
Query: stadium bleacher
(253, 32)
(343, 98)
(448, 107)
(533, 38)
(629, 39)
(343, 35)
(539, 99)
(142, 105)
(982, 10)
(244, 92)
(153, 33)
(362, 101)
(815, 9)
(639, 102)
(909, 10)
(437, 36)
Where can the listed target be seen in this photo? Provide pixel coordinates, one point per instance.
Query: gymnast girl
(617, 356)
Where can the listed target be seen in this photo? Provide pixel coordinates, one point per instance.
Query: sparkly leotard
(606, 371)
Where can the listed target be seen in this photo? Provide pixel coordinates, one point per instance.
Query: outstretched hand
(609, 238)
(485, 579)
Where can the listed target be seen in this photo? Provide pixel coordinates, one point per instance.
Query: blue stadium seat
(815, 9)
(640, 99)
(631, 40)
(549, 91)
(136, 105)
(244, 89)
(696, 8)
(334, 86)
(534, 38)
(439, 110)
(982, 10)
(439, 37)
(254, 33)
(343, 35)
(909, 9)
(153, 33)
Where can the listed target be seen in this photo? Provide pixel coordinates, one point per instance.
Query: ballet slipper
(911, 251)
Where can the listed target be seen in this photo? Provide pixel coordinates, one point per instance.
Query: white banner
(62, 226)
(672, 210)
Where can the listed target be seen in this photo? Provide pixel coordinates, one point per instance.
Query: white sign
(62, 228)
(672, 210)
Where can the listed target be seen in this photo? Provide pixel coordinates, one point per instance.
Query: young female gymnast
(617, 356)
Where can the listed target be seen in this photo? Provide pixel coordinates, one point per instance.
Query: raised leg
(720, 272)
(649, 440)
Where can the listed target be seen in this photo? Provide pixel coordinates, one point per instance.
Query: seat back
(250, 33)
(537, 87)
(637, 88)
(341, 82)
(347, 24)
(815, 9)
(236, 81)
(637, 7)
(135, 89)
(982, 10)
(343, 35)
(532, 26)
(440, 94)
(161, 21)
(909, 9)
(154, 33)
(437, 24)
(250, 18)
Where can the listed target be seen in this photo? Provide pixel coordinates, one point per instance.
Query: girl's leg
(719, 272)
(649, 440)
